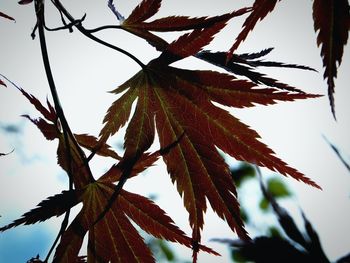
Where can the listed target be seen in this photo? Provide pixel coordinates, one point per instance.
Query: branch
(119, 16)
(68, 135)
(337, 152)
(86, 33)
(127, 167)
(103, 28)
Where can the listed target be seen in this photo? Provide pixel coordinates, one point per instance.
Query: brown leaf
(332, 21)
(114, 237)
(90, 142)
(260, 9)
(180, 102)
(145, 10)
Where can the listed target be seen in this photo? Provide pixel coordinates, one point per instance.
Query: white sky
(84, 71)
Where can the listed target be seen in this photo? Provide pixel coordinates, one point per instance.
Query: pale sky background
(85, 70)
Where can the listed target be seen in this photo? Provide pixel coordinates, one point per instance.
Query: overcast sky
(85, 71)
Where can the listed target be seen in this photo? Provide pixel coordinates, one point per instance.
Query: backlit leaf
(245, 68)
(145, 10)
(53, 206)
(119, 111)
(260, 9)
(190, 44)
(136, 24)
(114, 238)
(180, 23)
(90, 142)
(181, 104)
(332, 21)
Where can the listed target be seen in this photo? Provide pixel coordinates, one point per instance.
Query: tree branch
(88, 34)
(68, 135)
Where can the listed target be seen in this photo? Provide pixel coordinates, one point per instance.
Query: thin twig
(94, 30)
(94, 38)
(337, 152)
(127, 166)
(67, 26)
(68, 135)
(119, 16)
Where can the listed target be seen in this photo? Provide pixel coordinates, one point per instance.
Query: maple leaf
(125, 244)
(251, 59)
(332, 21)
(7, 17)
(114, 237)
(53, 206)
(244, 65)
(51, 129)
(260, 9)
(136, 24)
(180, 102)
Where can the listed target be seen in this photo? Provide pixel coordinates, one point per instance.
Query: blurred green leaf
(236, 256)
(241, 173)
(244, 214)
(166, 250)
(277, 188)
(264, 204)
(274, 232)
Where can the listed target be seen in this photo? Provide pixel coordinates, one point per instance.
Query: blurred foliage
(242, 172)
(292, 246)
(162, 250)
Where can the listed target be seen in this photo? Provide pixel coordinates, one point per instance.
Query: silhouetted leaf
(163, 95)
(285, 220)
(246, 68)
(345, 259)
(48, 130)
(268, 250)
(122, 241)
(332, 21)
(90, 142)
(260, 9)
(145, 10)
(136, 24)
(314, 244)
(53, 206)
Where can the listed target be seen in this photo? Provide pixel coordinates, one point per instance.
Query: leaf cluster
(294, 246)
(184, 108)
